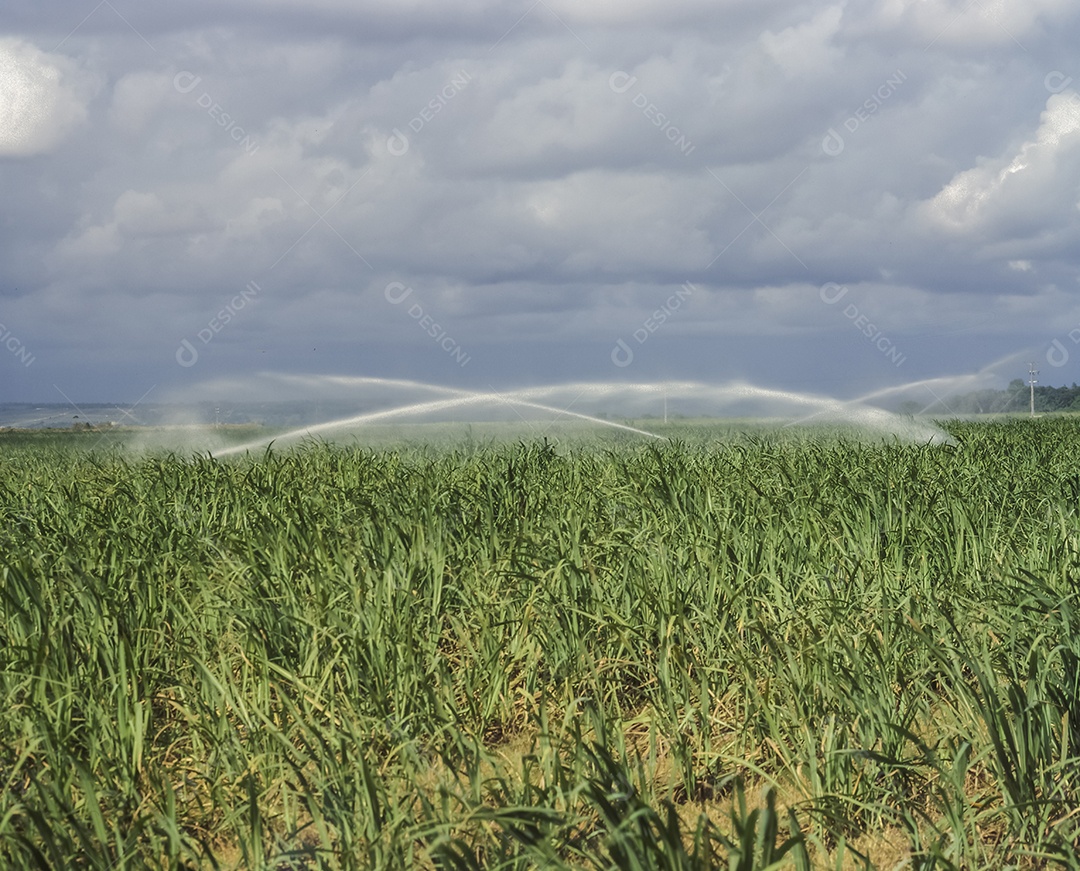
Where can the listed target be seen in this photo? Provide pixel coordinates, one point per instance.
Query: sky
(827, 197)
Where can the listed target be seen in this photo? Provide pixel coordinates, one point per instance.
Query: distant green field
(728, 650)
(448, 435)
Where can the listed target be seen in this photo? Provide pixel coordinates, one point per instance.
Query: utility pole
(1032, 372)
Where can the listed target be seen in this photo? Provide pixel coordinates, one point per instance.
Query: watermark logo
(621, 83)
(1057, 82)
(396, 293)
(622, 355)
(1057, 355)
(186, 82)
(16, 347)
(833, 142)
(832, 293)
(187, 354)
(398, 142)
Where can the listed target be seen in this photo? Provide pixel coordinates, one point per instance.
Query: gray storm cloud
(545, 177)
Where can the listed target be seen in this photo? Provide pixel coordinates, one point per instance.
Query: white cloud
(42, 98)
(1029, 181)
(806, 49)
(259, 214)
(138, 219)
(136, 97)
(948, 24)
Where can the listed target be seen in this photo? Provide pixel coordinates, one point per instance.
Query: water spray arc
(558, 401)
(461, 399)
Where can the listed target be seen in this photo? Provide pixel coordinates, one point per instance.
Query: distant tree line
(1014, 398)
